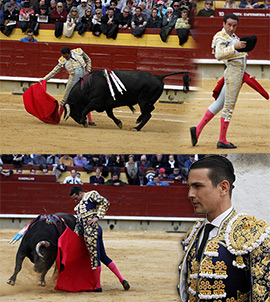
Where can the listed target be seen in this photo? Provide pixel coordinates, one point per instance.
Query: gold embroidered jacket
(92, 204)
(223, 46)
(78, 59)
(235, 265)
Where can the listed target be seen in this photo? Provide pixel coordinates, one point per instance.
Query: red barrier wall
(31, 198)
(37, 59)
(206, 28)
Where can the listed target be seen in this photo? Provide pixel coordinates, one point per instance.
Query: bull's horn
(67, 111)
(39, 245)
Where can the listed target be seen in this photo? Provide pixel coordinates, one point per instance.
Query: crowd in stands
(108, 16)
(151, 170)
(98, 16)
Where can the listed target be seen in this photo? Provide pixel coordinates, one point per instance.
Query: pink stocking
(115, 270)
(206, 118)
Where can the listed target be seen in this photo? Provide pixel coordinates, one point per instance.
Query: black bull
(143, 88)
(40, 244)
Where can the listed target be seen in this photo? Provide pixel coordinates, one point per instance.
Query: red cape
(74, 265)
(249, 80)
(40, 104)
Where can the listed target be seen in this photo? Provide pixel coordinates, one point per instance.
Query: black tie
(208, 228)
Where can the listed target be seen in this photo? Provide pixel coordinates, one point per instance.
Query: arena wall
(31, 197)
(252, 185)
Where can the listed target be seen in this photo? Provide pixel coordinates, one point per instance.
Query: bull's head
(39, 245)
(75, 111)
(45, 256)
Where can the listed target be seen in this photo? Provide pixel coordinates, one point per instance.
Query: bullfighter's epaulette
(78, 51)
(62, 60)
(245, 233)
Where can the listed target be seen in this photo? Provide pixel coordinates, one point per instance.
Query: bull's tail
(186, 79)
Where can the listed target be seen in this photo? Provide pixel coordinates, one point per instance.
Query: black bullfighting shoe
(193, 136)
(97, 290)
(126, 285)
(92, 123)
(221, 145)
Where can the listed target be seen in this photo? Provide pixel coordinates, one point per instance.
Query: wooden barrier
(32, 197)
(35, 60)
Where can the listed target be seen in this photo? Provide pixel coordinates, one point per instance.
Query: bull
(93, 93)
(40, 243)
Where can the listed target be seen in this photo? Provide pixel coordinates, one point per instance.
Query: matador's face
(230, 26)
(67, 56)
(77, 198)
(205, 198)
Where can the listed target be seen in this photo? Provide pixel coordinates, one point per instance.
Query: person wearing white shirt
(72, 179)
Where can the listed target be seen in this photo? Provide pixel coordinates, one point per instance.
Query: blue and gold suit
(93, 205)
(235, 265)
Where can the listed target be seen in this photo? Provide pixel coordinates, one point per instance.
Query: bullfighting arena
(166, 132)
(148, 260)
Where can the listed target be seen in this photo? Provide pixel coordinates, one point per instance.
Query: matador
(75, 61)
(90, 208)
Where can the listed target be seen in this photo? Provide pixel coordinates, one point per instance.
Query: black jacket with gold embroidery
(235, 265)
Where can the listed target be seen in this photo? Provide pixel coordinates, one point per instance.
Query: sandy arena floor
(167, 132)
(148, 260)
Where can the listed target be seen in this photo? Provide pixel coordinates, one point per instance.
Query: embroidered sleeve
(56, 69)
(247, 235)
(221, 50)
(260, 272)
(102, 204)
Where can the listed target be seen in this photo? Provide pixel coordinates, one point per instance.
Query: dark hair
(65, 50)
(30, 31)
(155, 9)
(220, 168)
(110, 8)
(138, 7)
(75, 190)
(230, 16)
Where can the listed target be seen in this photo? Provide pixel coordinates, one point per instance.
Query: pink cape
(40, 104)
(249, 80)
(75, 272)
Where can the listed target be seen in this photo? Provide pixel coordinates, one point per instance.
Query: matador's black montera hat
(251, 42)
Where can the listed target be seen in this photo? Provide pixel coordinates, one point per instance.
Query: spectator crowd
(98, 16)
(151, 170)
(108, 16)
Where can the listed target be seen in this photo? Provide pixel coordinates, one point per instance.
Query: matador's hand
(92, 221)
(240, 44)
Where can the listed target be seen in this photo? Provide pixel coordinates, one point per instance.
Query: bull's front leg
(85, 111)
(144, 120)
(18, 267)
(116, 120)
(41, 281)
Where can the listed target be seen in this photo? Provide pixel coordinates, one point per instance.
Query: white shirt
(71, 180)
(216, 222)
